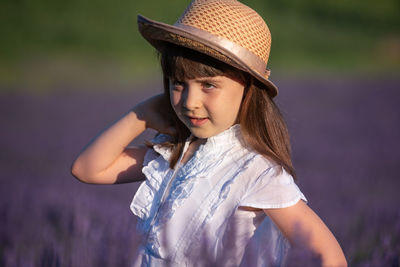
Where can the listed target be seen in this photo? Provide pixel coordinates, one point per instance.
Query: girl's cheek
(174, 98)
(175, 102)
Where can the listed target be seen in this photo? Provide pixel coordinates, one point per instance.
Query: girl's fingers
(156, 111)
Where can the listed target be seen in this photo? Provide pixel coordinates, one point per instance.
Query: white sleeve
(274, 188)
(157, 150)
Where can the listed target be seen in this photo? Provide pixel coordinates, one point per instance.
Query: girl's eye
(208, 86)
(177, 85)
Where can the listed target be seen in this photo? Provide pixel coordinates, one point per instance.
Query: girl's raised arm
(107, 159)
(299, 223)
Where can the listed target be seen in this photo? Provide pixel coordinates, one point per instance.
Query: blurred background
(50, 44)
(70, 68)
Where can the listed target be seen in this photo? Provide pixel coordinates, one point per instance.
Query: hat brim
(157, 33)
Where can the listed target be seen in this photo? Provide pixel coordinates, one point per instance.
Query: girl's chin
(201, 133)
(205, 131)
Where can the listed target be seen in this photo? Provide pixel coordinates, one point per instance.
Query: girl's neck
(193, 146)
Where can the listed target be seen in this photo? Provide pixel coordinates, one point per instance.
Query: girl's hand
(108, 159)
(156, 112)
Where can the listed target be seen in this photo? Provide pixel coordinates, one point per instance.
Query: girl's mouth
(198, 121)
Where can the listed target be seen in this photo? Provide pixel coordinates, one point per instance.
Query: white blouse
(191, 215)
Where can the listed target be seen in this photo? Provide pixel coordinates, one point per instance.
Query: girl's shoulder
(269, 185)
(255, 161)
(157, 148)
(161, 138)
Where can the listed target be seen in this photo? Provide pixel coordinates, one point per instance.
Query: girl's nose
(191, 99)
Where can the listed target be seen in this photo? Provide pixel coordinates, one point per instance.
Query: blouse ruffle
(222, 160)
(156, 170)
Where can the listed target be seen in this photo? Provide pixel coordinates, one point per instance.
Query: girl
(218, 177)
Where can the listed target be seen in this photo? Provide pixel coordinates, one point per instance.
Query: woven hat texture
(232, 20)
(224, 29)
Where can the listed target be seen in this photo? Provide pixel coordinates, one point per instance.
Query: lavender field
(345, 136)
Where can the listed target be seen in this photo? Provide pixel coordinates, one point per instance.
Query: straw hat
(224, 29)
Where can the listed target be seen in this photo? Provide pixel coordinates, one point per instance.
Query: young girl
(219, 185)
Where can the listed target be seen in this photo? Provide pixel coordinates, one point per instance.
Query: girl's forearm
(303, 228)
(108, 146)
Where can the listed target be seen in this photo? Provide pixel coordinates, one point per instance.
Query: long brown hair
(262, 124)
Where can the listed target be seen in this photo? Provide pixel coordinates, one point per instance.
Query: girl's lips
(198, 121)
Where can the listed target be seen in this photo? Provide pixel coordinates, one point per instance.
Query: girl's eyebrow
(207, 79)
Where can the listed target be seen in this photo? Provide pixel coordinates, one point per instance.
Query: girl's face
(206, 105)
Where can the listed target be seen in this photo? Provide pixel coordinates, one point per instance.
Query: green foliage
(334, 34)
